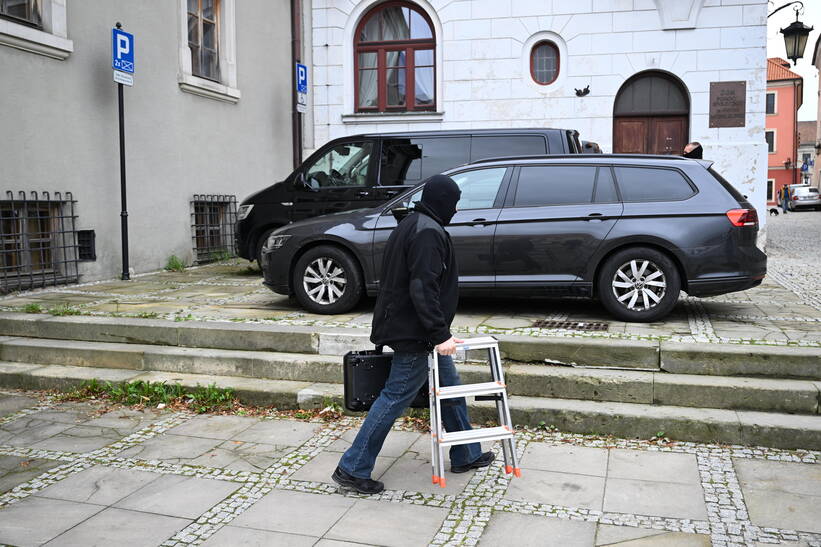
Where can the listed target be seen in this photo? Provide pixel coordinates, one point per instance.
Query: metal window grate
(37, 240)
(213, 218)
(572, 325)
(86, 244)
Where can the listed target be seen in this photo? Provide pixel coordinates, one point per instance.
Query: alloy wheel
(639, 285)
(324, 281)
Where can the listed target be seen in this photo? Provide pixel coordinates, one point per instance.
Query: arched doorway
(651, 115)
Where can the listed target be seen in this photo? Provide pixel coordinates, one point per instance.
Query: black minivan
(362, 171)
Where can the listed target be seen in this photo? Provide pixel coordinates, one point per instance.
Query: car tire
(327, 280)
(639, 285)
(261, 243)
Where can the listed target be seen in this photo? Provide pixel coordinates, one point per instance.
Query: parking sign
(122, 51)
(301, 87)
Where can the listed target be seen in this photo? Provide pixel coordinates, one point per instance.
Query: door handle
(475, 221)
(391, 193)
(363, 193)
(597, 217)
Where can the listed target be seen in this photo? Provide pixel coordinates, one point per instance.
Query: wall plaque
(728, 104)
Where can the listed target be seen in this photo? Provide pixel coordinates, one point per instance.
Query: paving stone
(214, 427)
(777, 509)
(389, 524)
(321, 467)
(231, 536)
(579, 460)
(653, 466)
(242, 456)
(565, 489)
(536, 531)
(789, 477)
(29, 430)
(15, 470)
(609, 534)
(9, 404)
(279, 432)
(34, 521)
(125, 420)
(99, 485)
(79, 439)
(121, 528)
(171, 448)
(414, 474)
(655, 498)
(667, 539)
(396, 443)
(295, 513)
(186, 497)
(335, 543)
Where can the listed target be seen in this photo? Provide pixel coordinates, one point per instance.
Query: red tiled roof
(777, 70)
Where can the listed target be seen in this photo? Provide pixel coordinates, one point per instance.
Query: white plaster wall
(484, 79)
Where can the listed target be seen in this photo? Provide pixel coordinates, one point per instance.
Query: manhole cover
(571, 325)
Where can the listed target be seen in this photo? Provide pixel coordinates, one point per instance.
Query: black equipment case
(365, 374)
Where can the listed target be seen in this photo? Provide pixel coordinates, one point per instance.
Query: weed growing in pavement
(200, 399)
(219, 256)
(64, 309)
(250, 270)
(147, 315)
(174, 264)
(179, 318)
(33, 308)
(418, 418)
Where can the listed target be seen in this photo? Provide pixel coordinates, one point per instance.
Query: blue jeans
(409, 371)
(784, 205)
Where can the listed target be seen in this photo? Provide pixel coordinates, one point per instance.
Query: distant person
(693, 150)
(590, 147)
(785, 198)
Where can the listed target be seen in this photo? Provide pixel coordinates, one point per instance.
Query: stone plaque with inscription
(728, 104)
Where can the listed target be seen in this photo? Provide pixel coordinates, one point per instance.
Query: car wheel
(639, 285)
(327, 280)
(261, 243)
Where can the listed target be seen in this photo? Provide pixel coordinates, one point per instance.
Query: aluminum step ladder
(495, 390)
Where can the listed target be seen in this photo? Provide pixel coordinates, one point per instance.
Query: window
(497, 147)
(479, 188)
(22, 11)
(203, 40)
(343, 165)
(770, 195)
(805, 158)
(394, 66)
(37, 241)
(407, 161)
(770, 103)
(605, 191)
(212, 223)
(769, 136)
(554, 185)
(652, 184)
(544, 62)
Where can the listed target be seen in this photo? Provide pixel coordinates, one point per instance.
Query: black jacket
(418, 289)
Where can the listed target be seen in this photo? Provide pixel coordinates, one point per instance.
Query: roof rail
(578, 157)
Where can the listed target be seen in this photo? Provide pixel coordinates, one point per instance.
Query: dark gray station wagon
(632, 231)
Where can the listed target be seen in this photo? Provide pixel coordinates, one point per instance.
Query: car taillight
(743, 217)
(795, 198)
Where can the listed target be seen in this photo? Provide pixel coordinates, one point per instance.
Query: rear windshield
(805, 191)
(727, 186)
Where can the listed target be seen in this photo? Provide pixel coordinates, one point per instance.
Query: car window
(503, 146)
(411, 160)
(554, 185)
(813, 190)
(652, 184)
(343, 165)
(605, 187)
(479, 187)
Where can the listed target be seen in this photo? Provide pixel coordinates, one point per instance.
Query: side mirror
(400, 212)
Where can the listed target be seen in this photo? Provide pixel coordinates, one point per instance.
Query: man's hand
(448, 347)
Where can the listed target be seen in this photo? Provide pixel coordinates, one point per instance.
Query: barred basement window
(213, 218)
(37, 241)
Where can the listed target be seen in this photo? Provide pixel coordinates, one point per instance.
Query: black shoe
(483, 461)
(363, 486)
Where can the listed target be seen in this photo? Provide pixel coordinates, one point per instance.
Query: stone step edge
(594, 384)
(683, 358)
(627, 420)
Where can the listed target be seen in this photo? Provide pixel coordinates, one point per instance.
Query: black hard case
(365, 374)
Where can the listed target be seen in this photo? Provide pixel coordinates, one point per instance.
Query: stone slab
(9, 404)
(780, 430)
(534, 531)
(171, 448)
(653, 466)
(565, 489)
(34, 521)
(15, 470)
(741, 360)
(322, 466)
(388, 524)
(413, 473)
(582, 460)
(178, 496)
(655, 498)
(580, 383)
(294, 513)
(232, 536)
(72, 353)
(122, 528)
(99, 485)
(214, 426)
(581, 351)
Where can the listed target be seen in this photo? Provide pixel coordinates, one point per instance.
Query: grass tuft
(174, 264)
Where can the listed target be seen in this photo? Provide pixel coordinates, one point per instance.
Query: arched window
(394, 60)
(544, 62)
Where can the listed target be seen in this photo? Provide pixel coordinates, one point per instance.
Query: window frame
(511, 204)
(770, 190)
(623, 199)
(36, 22)
(409, 47)
(555, 47)
(322, 152)
(775, 103)
(217, 7)
(773, 151)
(48, 38)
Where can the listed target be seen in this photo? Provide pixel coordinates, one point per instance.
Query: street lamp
(795, 35)
(787, 164)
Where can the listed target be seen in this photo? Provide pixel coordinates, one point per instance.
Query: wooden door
(650, 135)
(630, 135)
(668, 135)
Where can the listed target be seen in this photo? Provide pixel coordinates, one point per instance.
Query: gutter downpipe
(296, 48)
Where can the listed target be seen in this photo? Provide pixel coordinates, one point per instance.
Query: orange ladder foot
(517, 472)
(508, 469)
(442, 482)
(435, 479)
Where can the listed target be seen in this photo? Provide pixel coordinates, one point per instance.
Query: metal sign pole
(122, 61)
(123, 199)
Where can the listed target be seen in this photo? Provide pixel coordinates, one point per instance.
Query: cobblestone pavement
(75, 474)
(784, 310)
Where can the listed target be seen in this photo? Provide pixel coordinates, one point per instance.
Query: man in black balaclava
(693, 150)
(418, 292)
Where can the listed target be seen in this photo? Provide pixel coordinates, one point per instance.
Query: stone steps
(629, 420)
(533, 380)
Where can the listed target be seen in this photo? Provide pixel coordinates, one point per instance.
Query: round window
(544, 63)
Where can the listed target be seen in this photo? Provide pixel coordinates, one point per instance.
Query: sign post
(122, 61)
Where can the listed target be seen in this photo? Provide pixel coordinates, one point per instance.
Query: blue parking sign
(301, 78)
(122, 51)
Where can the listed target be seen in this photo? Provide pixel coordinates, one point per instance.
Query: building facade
(783, 99)
(208, 118)
(816, 61)
(631, 75)
(806, 151)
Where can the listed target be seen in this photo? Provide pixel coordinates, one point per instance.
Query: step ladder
(494, 390)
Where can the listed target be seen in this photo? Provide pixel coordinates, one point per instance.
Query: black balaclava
(439, 197)
(695, 153)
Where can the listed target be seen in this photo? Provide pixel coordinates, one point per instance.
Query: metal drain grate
(571, 325)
